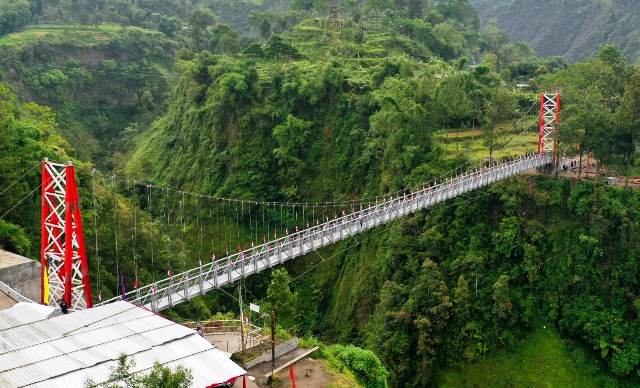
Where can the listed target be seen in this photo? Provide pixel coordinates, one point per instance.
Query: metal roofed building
(41, 349)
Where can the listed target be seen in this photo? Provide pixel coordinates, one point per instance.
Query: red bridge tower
(549, 121)
(65, 270)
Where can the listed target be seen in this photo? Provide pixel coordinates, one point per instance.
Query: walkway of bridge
(63, 249)
(182, 287)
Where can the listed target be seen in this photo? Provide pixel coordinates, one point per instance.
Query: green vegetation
(172, 18)
(158, 377)
(15, 14)
(103, 81)
(280, 299)
(600, 101)
(65, 34)
(303, 108)
(541, 359)
(28, 132)
(354, 363)
(536, 248)
(472, 143)
(362, 363)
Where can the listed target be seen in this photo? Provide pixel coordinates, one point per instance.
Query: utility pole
(273, 343)
(244, 350)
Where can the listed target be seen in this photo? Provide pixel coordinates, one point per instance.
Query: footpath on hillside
(590, 170)
(309, 373)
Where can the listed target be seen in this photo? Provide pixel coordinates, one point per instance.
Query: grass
(542, 359)
(343, 377)
(471, 143)
(67, 34)
(314, 39)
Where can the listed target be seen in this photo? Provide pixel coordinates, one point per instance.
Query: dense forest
(279, 102)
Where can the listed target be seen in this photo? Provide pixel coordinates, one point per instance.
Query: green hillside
(99, 79)
(571, 28)
(541, 359)
(320, 111)
(323, 114)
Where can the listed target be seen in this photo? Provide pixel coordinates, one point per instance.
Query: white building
(41, 348)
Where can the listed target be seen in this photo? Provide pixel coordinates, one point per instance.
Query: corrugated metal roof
(22, 313)
(63, 351)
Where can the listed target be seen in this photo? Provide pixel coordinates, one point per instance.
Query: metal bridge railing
(198, 281)
(214, 326)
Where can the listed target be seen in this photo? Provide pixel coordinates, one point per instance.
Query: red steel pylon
(549, 121)
(65, 270)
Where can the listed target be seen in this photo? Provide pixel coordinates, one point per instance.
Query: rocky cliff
(572, 28)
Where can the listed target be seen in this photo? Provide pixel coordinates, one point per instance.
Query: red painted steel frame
(63, 251)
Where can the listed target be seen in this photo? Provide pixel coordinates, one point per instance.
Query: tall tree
(498, 110)
(430, 302)
(279, 295)
(200, 20)
(628, 118)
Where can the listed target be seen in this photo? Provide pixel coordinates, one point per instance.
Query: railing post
(301, 244)
(154, 298)
(242, 263)
(312, 242)
(185, 285)
(170, 293)
(255, 259)
(290, 250)
(279, 252)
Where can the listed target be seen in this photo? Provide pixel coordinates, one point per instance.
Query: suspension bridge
(65, 274)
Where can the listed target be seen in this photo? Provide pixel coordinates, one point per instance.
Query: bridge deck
(198, 281)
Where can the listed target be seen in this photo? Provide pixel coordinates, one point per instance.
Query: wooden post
(273, 345)
(244, 350)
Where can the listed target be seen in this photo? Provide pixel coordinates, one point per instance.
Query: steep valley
(210, 129)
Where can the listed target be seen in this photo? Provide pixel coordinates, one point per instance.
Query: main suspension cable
(19, 178)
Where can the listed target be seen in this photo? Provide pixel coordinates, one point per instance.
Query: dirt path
(310, 373)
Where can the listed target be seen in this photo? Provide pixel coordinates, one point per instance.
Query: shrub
(13, 238)
(364, 364)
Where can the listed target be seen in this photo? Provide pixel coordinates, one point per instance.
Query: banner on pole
(254, 307)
